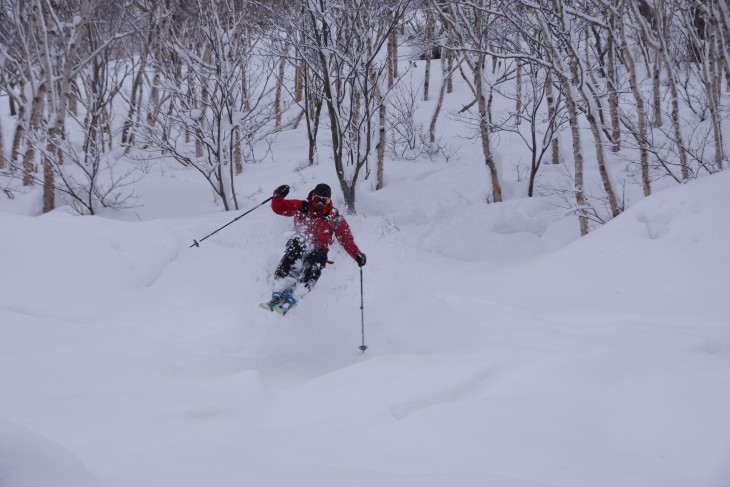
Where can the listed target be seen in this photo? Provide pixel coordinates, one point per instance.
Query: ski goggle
(320, 201)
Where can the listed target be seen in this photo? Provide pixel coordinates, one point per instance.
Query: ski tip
(266, 306)
(282, 309)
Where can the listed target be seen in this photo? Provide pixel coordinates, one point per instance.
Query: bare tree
(20, 69)
(225, 109)
(540, 131)
(46, 55)
(639, 132)
(347, 37)
(469, 27)
(152, 14)
(428, 48)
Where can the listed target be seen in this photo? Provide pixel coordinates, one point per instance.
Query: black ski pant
(312, 263)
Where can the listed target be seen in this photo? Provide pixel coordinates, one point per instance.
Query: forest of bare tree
(209, 83)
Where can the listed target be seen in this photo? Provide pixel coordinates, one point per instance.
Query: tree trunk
(713, 92)
(129, 123)
(594, 118)
(11, 102)
(518, 85)
(478, 70)
(489, 108)
(394, 52)
(439, 104)
(640, 114)
(450, 68)
(299, 81)
(73, 99)
(19, 127)
(678, 140)
(203, 105)
(2, 147)
(721, 14)
(36, 112)
(57, 131)
(580, 198)
(381, 139)
(237, 155)
(656, 76)
(436, 112)
(155, 93)
(49, 186)
(191, 98)
(428, 54)
(556, 57)
(279, 87)
(322, 38)
(313, 128)
(612, 94)
(549, 92)
(46, 32)
(390, 59)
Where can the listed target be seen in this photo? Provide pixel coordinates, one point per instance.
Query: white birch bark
(428, 54)
(484, 132)
(550, 95)
(713, 89)
(20, 125)
(2, 147)
(612, 92)
(639, 100)
(556, 60)
(439, 104)
(279, 87)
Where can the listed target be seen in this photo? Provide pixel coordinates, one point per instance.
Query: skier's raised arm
(282, 206)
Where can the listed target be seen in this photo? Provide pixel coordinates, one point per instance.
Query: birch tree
(348, 38)
(225, 109)
(471, 34)
(47, 59)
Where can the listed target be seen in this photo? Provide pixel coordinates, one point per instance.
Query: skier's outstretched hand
(281, 191)
(360, 259)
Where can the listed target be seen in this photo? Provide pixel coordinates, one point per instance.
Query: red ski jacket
(317, 227)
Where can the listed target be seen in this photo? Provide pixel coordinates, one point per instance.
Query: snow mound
(663, 255)
(28, 459)
(78, 267)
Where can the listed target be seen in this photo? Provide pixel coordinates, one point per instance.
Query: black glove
(281, 191)
(360, 259)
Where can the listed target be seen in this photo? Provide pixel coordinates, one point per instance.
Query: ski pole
(197, 244)
(363, 347)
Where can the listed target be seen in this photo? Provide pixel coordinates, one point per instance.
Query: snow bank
(77, 267)
(493, 359)
(28, 459)
(664, 256)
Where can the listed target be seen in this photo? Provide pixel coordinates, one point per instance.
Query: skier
(316, 221)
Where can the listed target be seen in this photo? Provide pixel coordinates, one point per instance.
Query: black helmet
(323, 190)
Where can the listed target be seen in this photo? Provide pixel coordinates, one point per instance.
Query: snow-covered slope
(494, 359)
(27, 458)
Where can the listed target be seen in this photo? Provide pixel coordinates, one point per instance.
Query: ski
(269, 306)
(282, 305)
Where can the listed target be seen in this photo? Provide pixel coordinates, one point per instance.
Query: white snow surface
(503, 351)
